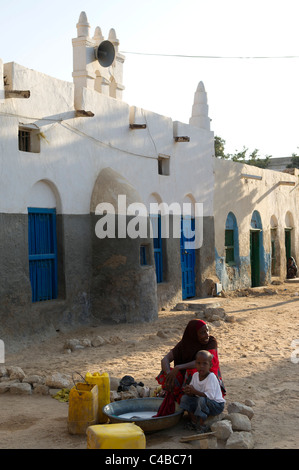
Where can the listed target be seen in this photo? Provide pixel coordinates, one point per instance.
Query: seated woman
(291, 268)
(196, 337)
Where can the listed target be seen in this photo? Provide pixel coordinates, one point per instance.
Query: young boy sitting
(203, 397)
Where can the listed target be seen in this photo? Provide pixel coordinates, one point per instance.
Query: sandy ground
(255, 355)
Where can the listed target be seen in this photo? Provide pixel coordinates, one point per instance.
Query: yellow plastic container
(83, 407)
(103, 383)
(115, 436)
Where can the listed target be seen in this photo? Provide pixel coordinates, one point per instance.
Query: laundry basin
(141, 411)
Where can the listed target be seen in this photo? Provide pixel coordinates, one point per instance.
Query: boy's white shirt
(210, 386)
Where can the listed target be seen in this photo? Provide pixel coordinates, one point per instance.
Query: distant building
(279, 164)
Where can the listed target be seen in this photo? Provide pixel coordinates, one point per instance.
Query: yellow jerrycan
(83, 407)
(115, 436)
(103, 383)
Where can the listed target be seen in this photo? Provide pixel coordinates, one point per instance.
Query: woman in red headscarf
(195, 338)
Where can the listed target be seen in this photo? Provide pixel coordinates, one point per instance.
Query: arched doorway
(123, 284)
(42, 241)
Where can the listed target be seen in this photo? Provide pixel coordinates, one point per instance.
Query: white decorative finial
(98, 36)
(200, 109)
(112, 38)
(83, 25)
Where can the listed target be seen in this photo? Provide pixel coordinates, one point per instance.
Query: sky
(253, 101)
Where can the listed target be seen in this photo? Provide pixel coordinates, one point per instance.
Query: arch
(189, 199)
(256, 221)
(231, 221)
(109, 186)
(44, 194)
(154, 198)
(273, 222)
(289, 220)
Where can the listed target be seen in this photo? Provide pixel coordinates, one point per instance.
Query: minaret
(200, 109)
(88, 71)
(83, 54)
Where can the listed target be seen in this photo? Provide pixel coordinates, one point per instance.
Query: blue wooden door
(187, 258)
(156, 224)
(42, 253)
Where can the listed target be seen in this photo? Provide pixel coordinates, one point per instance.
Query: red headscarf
(185, 351)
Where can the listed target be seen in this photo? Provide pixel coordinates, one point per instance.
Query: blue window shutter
(156, 223)
(42, 253)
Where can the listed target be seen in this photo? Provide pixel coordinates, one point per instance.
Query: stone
(4, 387)
(3, 371)
(230, 318)
(236, 407)
(86, 343)
(98, 341)
(134, 391)
(208, 443)
(213, 419)
(223, 429)
(210, 312)
(162, 334)
(127, 395)
(115, 339)
(114, 383)
(240, 422)
(249, 402)
(143, 391)
(114, 396)
(72, 344)
(240, 440)
(15, 372)
(181, 307)
(34, 379)
(20, 389)
(58, 380)
(40, 389)
(215, 318)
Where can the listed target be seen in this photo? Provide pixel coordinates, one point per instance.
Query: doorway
(187, 257)
(255, 257)
(287, 236)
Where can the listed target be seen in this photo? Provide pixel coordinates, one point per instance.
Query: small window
(29, 140)
(24, 141)
(229, 246)
(163, 165)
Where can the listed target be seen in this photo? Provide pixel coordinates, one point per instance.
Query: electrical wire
(77, 131)
(210, 56)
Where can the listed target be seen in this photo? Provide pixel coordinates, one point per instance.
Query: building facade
(93, 198)
(66, 149)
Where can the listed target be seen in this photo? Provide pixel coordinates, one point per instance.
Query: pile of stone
(232, 430)
(14, 380)
(75, 344)
(210, 312)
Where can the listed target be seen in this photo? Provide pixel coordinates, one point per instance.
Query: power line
(210, 56)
